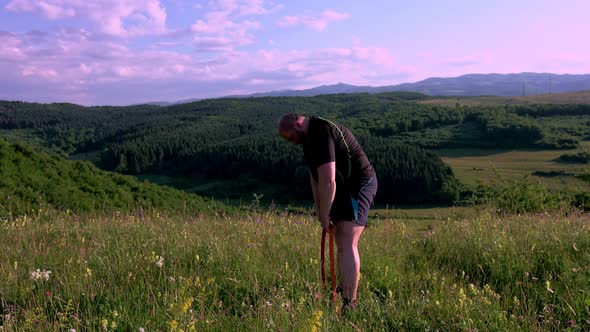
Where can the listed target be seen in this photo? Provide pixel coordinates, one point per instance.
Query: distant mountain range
(522, 84)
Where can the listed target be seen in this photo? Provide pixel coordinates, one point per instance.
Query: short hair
(287, 121)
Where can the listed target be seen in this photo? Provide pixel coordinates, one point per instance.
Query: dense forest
(235, 139)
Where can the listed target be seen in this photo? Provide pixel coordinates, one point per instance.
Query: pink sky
(131, 51)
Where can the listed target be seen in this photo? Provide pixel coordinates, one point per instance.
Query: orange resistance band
(332, 274)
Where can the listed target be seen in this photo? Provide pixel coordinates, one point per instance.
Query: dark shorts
(353, 205)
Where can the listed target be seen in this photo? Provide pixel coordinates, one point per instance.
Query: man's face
(292, 136)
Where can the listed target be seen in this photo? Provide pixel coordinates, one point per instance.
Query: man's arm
(314, 190)
(326, 191)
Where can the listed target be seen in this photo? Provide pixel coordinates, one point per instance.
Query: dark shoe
(348, 305)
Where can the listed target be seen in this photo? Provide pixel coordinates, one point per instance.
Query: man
(343, 183)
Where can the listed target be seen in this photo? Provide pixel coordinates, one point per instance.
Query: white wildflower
(72, 330)
(141, 329)
(40, 274)
(160, 262)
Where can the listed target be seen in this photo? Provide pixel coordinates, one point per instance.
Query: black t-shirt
(329, 141)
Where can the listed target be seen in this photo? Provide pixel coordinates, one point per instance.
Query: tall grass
(260, 271)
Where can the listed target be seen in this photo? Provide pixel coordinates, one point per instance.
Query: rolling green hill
(232, 142)
(33, 180)
(232, 139)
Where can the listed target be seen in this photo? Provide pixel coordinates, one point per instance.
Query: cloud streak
(121, 18)
(318, 22)
(225, 27)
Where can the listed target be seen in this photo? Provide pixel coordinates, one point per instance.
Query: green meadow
(579, 97)
(259, 270)
(479, 166)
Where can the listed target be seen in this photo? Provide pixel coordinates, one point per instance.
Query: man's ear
(299, 124)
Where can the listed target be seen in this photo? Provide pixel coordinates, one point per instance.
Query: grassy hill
(33, 180)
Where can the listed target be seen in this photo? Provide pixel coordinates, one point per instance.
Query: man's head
(292, 127)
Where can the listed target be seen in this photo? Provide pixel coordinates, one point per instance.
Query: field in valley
(474, 166)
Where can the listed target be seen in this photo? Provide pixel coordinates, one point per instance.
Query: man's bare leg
(347, 234)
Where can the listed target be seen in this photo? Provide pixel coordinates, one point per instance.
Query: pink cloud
(317, 23)
(38, 72)
(79, 57)
(254, 7)
(50, 10)
(357, 64)
(214, 44)
(222, 29)
(244, 7)
(75, 64)
(122, 18)
(379, 56)
(10, 47)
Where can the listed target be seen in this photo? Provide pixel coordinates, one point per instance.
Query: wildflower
(571, 322)
(141, 329)
(186, 305)
(287, 305)
(315, 321)
(72, 330)
(160, 262)
(548, 285)
(38, 274)
(462, 296)
(516, 301)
